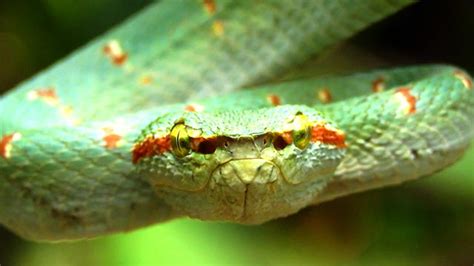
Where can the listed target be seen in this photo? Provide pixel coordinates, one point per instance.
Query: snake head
(246, 166)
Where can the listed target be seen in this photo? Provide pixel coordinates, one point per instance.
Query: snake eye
(180, 140)
(302, 131)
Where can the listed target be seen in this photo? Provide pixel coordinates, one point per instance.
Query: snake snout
(246, 171)
(252, 191)
(248, 189)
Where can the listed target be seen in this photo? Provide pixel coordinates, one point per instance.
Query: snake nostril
(226, 144)
(266, 140)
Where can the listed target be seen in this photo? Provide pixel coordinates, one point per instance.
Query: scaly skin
(421, 122)
(66, 163)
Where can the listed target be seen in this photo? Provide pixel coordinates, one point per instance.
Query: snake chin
(242, 183)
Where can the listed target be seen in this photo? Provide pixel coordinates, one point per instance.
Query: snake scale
(140, 126)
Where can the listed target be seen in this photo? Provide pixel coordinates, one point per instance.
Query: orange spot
(209, 6)
(146, 80)
(406, 99)
(6, 144)
(150, 146)
(324, 95)
(218, 28)
(194, 107)
(111, 139)
(378, 85)
(47, 95)
(274, 99)
(287, 137)
(321, 133)
(464, 78)
(114, 51)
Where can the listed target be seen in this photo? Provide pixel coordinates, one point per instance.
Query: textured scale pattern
(172, 43)
(216, 123)
(389, 142)
(66, 134)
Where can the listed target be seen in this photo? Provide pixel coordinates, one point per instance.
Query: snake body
(359, 140)
(123, 133)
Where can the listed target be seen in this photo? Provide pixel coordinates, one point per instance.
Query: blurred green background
(427, 222)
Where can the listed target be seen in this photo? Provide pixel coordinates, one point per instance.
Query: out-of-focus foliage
(35, 34)
(427, 222)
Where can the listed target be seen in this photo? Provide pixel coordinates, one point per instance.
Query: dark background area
(428, 222)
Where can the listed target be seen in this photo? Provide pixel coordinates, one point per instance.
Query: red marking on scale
(407, 100)
(194, 107)
(6, 145)
(464, 78)
(274, 99)
(324, 134)
(287, 137)
(111, 139)
(150, 146)
(48, 95)
(378, 85)
(114, 51)
(209, 6)
(324, 95)
(218, 28)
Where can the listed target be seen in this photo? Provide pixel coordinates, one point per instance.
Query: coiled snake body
(125, 133)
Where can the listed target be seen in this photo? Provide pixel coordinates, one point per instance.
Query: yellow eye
(180, 140)
(301, 131)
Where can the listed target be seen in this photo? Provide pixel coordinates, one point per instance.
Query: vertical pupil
(178, 140)
(301, 138)
(181, 141)
(300, 134)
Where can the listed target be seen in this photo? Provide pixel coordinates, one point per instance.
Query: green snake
(139, 127)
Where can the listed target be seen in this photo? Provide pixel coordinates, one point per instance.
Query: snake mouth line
(244, 205)
(205, 185)
(280, 172)
(243, 214)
